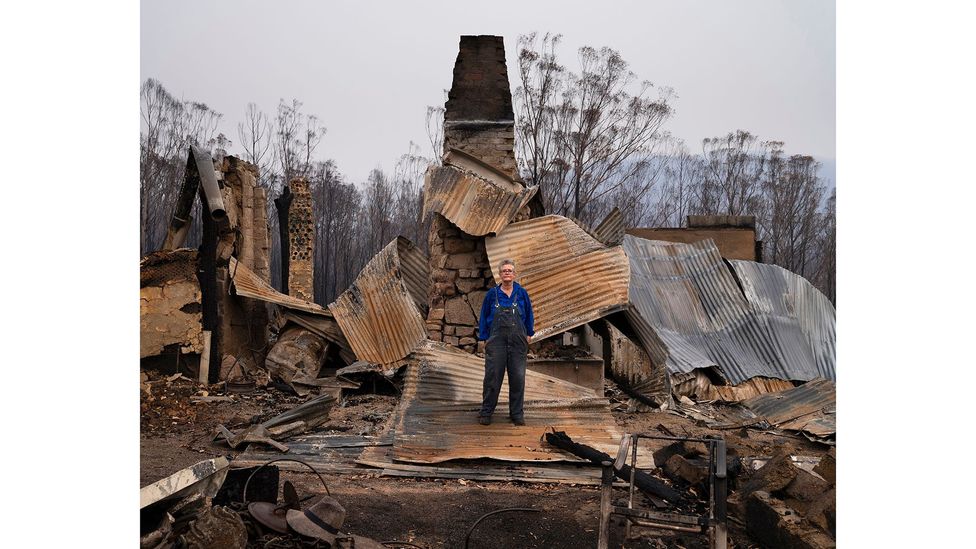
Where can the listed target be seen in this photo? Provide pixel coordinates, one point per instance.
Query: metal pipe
(633, 473)
(201, 162)
(666, 526)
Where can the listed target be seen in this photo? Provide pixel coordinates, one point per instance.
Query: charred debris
(643, 320)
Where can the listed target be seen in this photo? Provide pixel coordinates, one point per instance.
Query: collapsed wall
(243, 321)
(169, 304)
(173, 305)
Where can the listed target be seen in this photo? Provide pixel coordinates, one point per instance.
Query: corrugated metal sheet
(249, 284)
(801, 310)
(809, 407)
(610, 231)
(381, 314)
(571, 277)
(442, 396)
(688, 297)
(475, 203)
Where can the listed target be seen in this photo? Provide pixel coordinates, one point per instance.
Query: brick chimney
(478, 120)
(301, 238)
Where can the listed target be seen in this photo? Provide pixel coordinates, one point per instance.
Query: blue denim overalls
(505, 351)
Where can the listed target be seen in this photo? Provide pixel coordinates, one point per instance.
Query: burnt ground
(176, 432)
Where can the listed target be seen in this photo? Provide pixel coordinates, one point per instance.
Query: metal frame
(713, 523)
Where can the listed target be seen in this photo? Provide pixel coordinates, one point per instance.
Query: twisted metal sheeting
(694, 311)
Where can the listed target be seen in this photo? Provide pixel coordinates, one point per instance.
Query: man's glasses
(507, 271)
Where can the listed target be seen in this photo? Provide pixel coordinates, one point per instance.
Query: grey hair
(506, 262)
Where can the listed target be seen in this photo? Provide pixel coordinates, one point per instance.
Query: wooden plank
(205, 357)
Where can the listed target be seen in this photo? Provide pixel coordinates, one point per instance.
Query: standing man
(506, 323)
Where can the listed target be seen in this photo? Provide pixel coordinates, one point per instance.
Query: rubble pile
(785, 505)
(387, 379)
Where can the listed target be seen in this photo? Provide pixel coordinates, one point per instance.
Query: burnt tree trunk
(282, 205)
(643, 481)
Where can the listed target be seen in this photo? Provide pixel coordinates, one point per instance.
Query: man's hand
(528, 339)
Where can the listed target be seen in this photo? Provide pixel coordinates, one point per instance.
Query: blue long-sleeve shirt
(522, 301)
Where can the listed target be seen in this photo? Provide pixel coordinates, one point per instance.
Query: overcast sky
(369, 69)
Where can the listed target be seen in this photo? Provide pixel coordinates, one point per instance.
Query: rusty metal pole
(720, 524)
(605, 506)
(633, 473)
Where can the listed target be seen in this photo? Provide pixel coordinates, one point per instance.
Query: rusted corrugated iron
(249, 284)
(571, 277)
(809, 407)
(689, 298)
(610, 231)
(440, 402)
(479, 199)
(381, 314)
(696, 385)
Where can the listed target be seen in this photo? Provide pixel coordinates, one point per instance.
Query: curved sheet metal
(801, 310)
(476, 204)
(571, 277)
(811, 407)
(442, 396)
(248, 284)
(688, 296)
(379, 313)
(610, 231)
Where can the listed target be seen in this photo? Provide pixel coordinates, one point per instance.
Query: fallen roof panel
(381, 313)
(442, 396)
(690, 299)
(571, 277)
(248, 284)
(802, 310)
(809, 407)
(475, 201)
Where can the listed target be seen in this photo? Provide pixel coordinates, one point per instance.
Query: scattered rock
(774, 524)
(823, 512)
(827, 468)
(679, 467)
(806, 486)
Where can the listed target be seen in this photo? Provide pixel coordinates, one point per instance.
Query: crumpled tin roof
(811, 407)
(381, 313)
(700, 317)
(442, 396)
(802, 309)
(478, 198)
(248, 284)
(572, 278)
